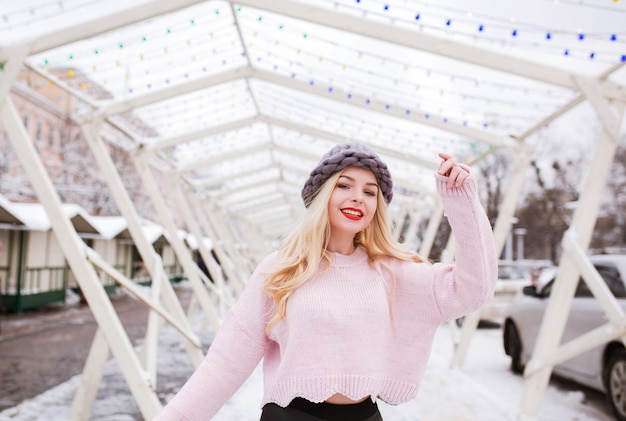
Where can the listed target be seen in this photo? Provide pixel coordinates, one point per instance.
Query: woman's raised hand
(450, 168)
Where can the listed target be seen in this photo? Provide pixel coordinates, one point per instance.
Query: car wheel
(513, 346)
(616, 383)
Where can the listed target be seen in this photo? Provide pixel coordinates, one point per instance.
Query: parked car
(513, 276)
(602, 368)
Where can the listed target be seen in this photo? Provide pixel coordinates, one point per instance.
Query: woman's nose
(358, 197)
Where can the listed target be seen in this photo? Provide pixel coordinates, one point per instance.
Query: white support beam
(615, 328)
(135, 290)
(93, 370)
(424, 42)
(428, 239)
(206, 222)
(101, 23)
(237, 153)
(585, 215)
(415, 216)
(13, 65)
(217, 181)
(86, 276)
(243, 259)
(213, 267)
(611, 121)
(339, 139)
(219, 221)
(594, 281)
(259, 183)
(566, 107)
(181, 251)
(269, 209)
(589, 340)
(507, 208)
(360, 101)
(256, 204)
(52, 78)
(501, 229)
(155, 144)
(146, 250)
(225, 298)
(382, 151)
(109, 108)
(552, 117)
(397, 222)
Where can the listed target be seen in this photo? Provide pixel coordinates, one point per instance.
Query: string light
(341, 123)
(361, 55)
(167, 80)
(516, 33)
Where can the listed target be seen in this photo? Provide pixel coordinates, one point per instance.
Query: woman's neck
(341, 247)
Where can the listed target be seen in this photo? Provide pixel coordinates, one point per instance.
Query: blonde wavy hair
(302, 251)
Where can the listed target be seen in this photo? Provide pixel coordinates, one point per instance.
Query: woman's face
(353, 202)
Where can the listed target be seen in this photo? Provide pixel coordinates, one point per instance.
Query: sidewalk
(42, 348)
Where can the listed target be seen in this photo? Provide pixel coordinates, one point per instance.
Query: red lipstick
(351, 213)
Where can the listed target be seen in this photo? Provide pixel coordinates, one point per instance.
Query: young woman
(342, 315)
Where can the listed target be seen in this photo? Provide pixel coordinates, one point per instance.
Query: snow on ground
(482, 390)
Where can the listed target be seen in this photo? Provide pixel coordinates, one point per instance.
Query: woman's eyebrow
(352, 179)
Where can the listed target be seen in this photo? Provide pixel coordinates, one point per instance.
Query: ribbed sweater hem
(318, 389)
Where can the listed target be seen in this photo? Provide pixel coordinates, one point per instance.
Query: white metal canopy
(244, 97)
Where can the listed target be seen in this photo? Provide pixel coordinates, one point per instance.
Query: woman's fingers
(449, 168)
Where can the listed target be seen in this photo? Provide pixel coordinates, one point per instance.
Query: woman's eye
(342, 186)
(370, 193)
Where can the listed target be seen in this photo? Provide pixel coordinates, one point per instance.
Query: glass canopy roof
(244, 97)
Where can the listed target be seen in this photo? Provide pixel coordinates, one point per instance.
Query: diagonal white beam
(104, 23)
(260, 206)
(216, 181)
(238, 153)
(110, 108)
(288, 200)
(116, 107)
(11, 70)
(270, 212)
(270, 215)
(253, 197)
(340, 139)
(360, 101)
(297, 170)
(261, 183)
(566, 107)
(198, 134)
(431, 44)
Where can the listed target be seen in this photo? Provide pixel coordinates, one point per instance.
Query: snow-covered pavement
(483, 390)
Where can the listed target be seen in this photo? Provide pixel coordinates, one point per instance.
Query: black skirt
(301, 409)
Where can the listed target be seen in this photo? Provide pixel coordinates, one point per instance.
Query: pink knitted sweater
(338, 335)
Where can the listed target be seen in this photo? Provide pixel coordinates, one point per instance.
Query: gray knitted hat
(343, 156)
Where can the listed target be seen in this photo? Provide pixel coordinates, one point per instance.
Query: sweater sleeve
(235, 352)
(469, 283)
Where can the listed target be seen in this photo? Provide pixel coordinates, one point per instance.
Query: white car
(512, 278)
(602, 368)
